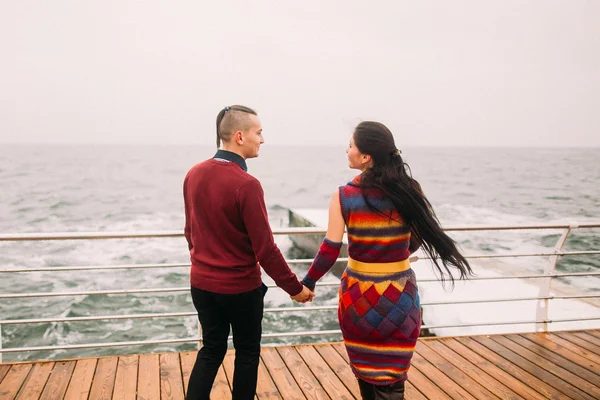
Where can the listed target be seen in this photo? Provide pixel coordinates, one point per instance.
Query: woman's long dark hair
(389, 174)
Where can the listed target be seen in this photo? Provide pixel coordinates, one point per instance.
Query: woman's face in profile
(355, 157)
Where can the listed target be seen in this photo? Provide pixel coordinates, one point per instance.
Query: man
(228, 235)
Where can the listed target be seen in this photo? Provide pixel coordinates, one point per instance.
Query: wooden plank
(36, 380)
(411, 392)
(341, 349)
(126, 379)
(585, 335)
(454, 373)
(13, 380)
(514, 371)
(340, 367)
(326, 377)
(149, 377)
(104, 379)
(438, 378)
(188, 360)
(573, 338)
(308, 383)
(56, 387)
(265, 387)
(571, 347)
(282, 377)
(541, 373)
(171, 381)
(4, 368)
(331, 352)
(228, 367)
(425, 386)
(81, 381)
(475, 373)
(594, 332)
(539, 341)
(220, 389)
(559, 366)
(508, 379)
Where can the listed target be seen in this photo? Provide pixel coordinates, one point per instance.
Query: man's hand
(306, 295)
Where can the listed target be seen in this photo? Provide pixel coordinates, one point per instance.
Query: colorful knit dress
(379, 307)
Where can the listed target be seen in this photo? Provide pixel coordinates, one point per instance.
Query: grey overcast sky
(438, 73)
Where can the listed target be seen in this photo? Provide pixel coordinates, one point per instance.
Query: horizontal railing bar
(509, 323)
(131, 266)
(546, 254)
(95, 267)
(96, 345)
(514, 255)
(95, 292)
(293, 261)
(273, 310)
(520, 227)
(146, 342)
(95, 318)
(324, 284)
(437, 303)
(535, 276)
(269, 335)
(17, 237)
(134, 235)
(147, 316)
(276, 231)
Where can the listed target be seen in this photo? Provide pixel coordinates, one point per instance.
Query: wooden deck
(562, 365)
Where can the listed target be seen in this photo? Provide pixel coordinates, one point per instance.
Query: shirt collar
(230, 156)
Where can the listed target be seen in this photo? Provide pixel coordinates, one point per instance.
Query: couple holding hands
(387, 218)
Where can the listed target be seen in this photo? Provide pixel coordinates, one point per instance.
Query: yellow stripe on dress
(391, 267)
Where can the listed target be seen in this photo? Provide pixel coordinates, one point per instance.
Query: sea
(130, 188)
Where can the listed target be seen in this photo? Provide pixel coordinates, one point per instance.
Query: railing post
(199, 335)
(546, 284)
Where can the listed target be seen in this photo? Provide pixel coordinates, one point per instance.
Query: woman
(388, 218)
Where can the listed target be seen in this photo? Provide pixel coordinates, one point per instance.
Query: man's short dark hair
(232, 119)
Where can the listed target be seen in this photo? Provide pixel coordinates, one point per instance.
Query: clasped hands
(305, 296)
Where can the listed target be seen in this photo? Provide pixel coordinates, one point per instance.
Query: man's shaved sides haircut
(232, 119)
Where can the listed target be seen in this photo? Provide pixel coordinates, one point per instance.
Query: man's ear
(239, 137)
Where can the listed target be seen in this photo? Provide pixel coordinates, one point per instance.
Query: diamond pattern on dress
(372, 296)
(369, 314)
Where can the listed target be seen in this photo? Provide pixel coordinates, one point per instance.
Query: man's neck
(234, 150)
(226, 155)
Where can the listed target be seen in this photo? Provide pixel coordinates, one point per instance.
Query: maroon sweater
(228, 231)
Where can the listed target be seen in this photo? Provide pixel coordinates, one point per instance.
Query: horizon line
(505, 146)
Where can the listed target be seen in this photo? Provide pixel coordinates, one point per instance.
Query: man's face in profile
(252, 137)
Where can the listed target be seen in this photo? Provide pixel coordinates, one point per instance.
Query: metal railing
(542, 298)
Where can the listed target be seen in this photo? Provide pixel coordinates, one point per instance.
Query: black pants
(369, 391)
(216, 312)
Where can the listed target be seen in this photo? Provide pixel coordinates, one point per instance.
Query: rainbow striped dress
(379, 307)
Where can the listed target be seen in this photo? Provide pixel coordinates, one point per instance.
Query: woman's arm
(330, 248)
(336, 225)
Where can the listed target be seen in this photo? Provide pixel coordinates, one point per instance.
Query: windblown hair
(230, 120)
(392, 175)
